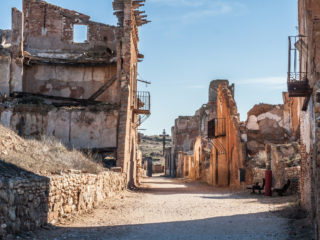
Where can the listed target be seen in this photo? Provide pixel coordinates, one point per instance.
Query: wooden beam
(103, 88)
(58, 98)
(99, 150)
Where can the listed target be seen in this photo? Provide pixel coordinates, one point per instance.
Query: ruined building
(208, 145)
(83, 93)
(271, 140)
(304, 90)
(215, 147)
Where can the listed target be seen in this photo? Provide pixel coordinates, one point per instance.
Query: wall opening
(80, 33)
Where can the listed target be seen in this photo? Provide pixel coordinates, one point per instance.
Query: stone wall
(59, 66)
(44, 59)
(77, 193)
(309, 25)
(285, 162)
(291, 173)
(190, 171)
(216, 161)
(23, 200)
(227, 151)
(187, 129)
(283, 158)
(29, 201)
(157, 168)
(258, 174)
(266, 124)
(184, 134)
(50, 28)
(130, 18)
(71, 81)
(5, 61)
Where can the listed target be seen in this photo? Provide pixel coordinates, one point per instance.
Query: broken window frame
(216, 128)
(86, 33)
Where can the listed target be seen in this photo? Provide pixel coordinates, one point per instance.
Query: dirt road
(174, 209)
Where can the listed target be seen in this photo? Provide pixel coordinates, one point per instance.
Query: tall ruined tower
(129, 19)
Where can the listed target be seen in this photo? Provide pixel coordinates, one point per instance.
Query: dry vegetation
(152, 146)
(45, 156)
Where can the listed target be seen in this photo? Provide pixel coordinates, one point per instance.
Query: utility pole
(164, 135)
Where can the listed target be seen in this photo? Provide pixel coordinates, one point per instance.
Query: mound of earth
(43, 156)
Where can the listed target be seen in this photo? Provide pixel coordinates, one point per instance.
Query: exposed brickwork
(309, 25)
(45, 59)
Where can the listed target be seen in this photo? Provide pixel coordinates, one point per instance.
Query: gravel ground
(176, 209)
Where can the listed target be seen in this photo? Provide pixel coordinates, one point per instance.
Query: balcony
(142, 106)
(298, 83)
(217, 128)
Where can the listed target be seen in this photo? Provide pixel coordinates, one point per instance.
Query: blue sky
(189, 43)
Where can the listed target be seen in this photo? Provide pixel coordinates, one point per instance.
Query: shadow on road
(167, 186)
(257, 226)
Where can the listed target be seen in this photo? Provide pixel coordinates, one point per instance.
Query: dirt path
(174, 209)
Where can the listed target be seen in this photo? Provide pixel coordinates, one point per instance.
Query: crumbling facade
(227, 153)
(303, 88)
(208, 146)
(84, 93)
(188, 128)
(269, 124)
(215, 147)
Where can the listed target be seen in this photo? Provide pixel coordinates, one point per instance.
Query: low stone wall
(157, 169)
(80, 193)
(293, 174)
(285, 159)
(258, 175)
(23, 203)
(32, 201)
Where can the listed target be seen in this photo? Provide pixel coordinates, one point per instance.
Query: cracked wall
(309, 25)
(39, 56)
(194, 155)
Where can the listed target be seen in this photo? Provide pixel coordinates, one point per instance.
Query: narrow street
(174, 209)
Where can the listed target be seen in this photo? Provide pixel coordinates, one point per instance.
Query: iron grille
(142, 106)
(298, 85)
(143, 103)
(217, 128)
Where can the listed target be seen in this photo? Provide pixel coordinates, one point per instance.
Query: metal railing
(297, 58)
(298, 85)
(143, 102)
(142, 106)
(216, 128)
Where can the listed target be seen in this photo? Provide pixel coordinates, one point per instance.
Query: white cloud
(273, 82)
(195, 9)
(185, 3)
(213, 10)
(265, 80)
